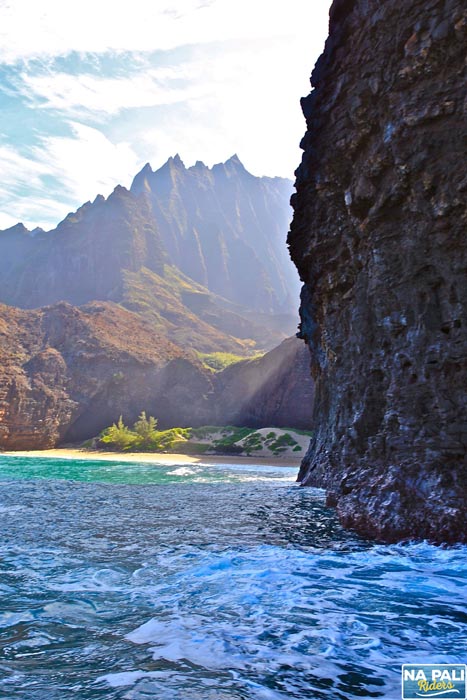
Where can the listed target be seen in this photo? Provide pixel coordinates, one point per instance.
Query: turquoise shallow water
(210, 583)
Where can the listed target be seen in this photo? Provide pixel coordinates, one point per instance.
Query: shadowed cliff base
(378, 237)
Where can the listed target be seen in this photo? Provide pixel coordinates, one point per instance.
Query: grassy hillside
(191, 316)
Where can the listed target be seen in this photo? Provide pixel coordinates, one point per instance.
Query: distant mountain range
(114, 310)
(198, 251)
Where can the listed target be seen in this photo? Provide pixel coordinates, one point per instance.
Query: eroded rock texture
(379, 238)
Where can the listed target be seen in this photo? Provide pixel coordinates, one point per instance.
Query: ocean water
(126, 580)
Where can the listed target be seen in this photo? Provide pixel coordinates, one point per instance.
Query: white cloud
(34, 210)
(75, 169)
(55, 27)
(23, 196)
(248, 103)
(20, 170)
(241, 97)
(74, 93)
(6, 220)
(88, 163)
(236, 90)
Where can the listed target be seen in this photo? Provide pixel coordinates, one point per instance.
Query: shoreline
(164, 459)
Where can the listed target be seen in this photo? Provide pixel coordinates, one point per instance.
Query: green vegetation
(230, 433)
(118, 436)
(145, 429)
(217, 361)
(282, 443)
(284, 440)
(253, 443)
(227, 440)
(143, 436)
(230, 436)
(164, 299)
(307, 433)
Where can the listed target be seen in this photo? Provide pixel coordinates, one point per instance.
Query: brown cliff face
(66, 373)
(34, 401)
(378, 237)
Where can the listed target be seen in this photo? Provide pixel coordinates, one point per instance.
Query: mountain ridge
(171, 217)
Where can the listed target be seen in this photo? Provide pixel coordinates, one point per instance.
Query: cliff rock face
(379, 238)
(273, 390)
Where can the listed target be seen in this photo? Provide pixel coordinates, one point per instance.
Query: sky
(92, 90)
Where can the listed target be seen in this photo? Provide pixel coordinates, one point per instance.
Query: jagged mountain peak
(18, 228)
(234, 160)
(119, 191)
(147, 178)
(176, 160)
(173, 162)
(233, 166)
(141, 180)
(146, 170)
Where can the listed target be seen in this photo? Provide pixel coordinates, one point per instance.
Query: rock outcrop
(379, 239)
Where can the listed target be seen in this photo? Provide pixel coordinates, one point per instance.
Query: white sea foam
(183, 471)
(125, 678)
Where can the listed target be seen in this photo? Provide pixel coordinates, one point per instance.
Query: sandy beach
(154, 458)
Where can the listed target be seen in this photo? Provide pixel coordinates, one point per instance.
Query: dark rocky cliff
(379, 238)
